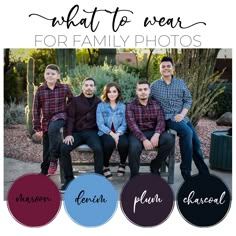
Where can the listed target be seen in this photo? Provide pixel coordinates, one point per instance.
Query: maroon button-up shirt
(50, 105)
(141, 118)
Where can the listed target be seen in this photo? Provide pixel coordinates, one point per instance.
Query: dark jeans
(166, 143)
(51, 144)
(109, 145)
(190, 147)
(89, 137)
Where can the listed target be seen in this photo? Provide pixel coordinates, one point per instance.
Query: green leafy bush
(11, 88)
(103, 75)
(223, 101)
(42, 58)
(138, 71)
(154, 69)
(196, 67)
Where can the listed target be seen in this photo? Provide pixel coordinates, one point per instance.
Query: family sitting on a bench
(104, 125)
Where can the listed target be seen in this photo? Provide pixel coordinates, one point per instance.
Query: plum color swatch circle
(34, 200)
(147, 200)
(90, 200)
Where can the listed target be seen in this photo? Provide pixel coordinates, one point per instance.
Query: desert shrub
(223, 101)
(11, 88)
(196, 67)
(138, 71)
(42, 58)
(154, 68)
(103, 75)
(14, 113)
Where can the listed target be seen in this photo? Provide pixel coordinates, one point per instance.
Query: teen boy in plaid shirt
(49, 115)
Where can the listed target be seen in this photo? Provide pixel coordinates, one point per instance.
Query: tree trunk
(108, 56)
(66, 60)
(148, 62)
(6, 59)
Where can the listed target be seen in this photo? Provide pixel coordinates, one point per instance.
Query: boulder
(225, 119)
(36, 138)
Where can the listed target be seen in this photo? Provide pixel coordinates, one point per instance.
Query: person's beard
(143, 98)
(89, 92)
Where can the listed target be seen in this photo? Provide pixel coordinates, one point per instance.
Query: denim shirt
(106, 116)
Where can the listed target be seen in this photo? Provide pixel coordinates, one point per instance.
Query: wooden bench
(167, 168)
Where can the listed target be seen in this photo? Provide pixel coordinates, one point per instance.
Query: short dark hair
(106, 90)
(165, 58)
(53, 67)
(143, 82)
(89, 78)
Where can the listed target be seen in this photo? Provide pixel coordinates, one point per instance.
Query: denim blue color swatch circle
(90, 200)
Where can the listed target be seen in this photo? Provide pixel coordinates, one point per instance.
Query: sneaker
(52, 168)
(43, 172)
(186, 175)
(64, 187)
(155, 171)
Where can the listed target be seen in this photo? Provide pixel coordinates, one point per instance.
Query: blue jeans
(51, 144)
(190, 147)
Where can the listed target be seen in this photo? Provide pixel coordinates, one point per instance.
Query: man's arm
(160, 125)
(69, 94)
(187, 103)
(180, 117)
(130, 117)
(187, 98)
(71, 116)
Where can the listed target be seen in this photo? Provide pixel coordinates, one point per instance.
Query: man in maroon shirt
(49, 115)
(146, 122)
(82, 129)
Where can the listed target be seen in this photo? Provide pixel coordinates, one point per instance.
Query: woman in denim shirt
(112, 126)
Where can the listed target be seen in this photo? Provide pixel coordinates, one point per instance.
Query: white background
(18, 30)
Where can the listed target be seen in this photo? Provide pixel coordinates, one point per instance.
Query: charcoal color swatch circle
(203, 200)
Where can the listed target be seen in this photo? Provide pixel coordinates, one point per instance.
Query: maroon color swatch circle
(147, 200)
(34, 200)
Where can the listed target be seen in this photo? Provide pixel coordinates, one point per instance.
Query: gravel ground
(18, 146)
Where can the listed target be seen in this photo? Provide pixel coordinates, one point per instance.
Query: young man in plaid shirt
(175, 98)
(49, 115)
(146, 122)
